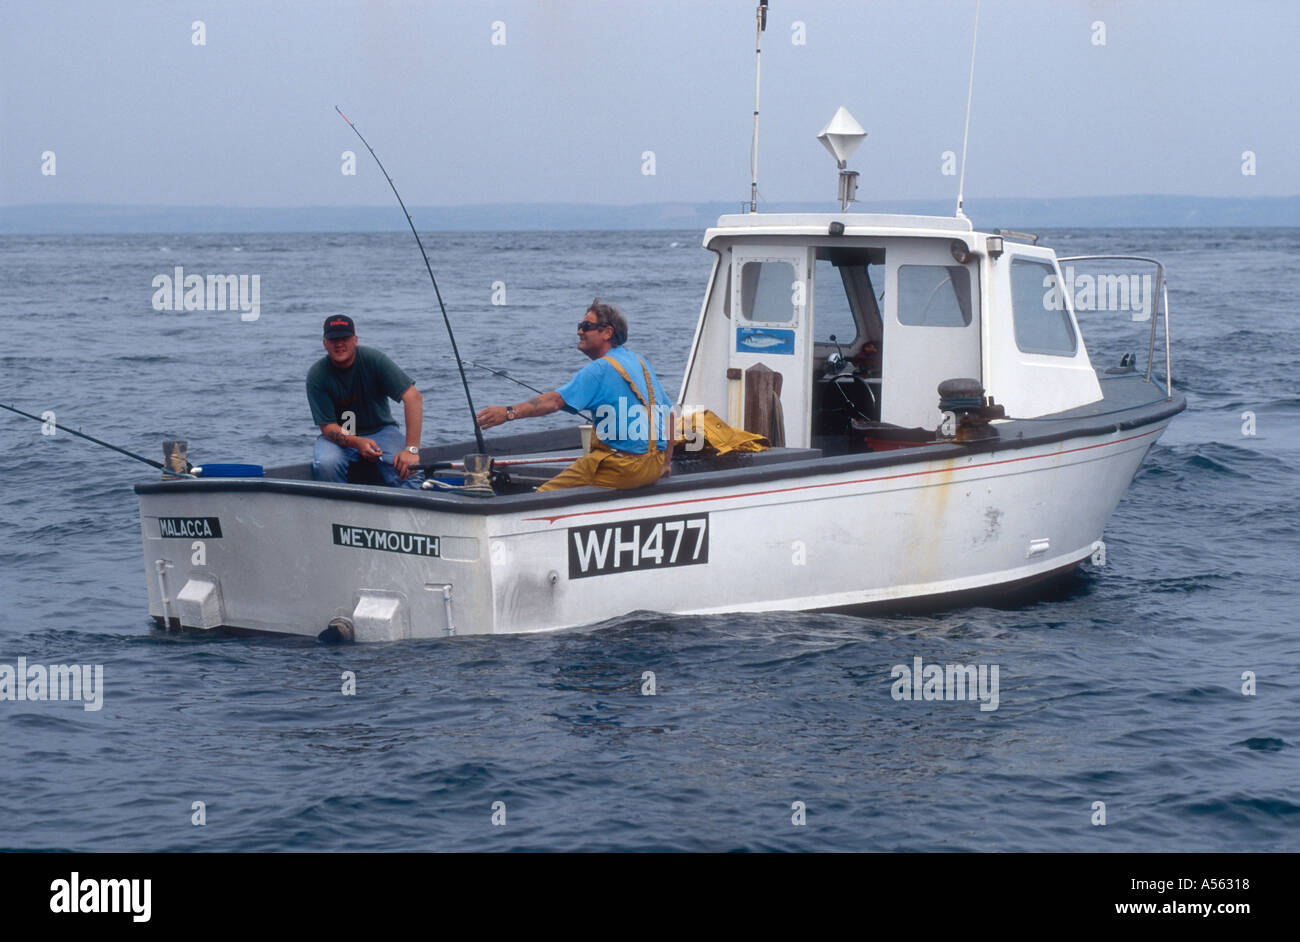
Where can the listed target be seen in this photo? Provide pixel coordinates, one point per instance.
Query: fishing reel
(175, 458)
(479, 477)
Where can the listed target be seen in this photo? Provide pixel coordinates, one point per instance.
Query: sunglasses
(585, 326)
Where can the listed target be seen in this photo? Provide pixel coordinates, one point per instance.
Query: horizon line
(678, 202)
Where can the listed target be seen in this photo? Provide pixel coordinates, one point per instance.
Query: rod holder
(175, 457)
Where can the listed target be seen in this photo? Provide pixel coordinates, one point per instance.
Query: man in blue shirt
(634, 420)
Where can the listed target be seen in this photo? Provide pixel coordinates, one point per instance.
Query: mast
(970, 88)
(761, 16)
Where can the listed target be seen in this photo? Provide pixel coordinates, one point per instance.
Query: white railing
(1161, 296)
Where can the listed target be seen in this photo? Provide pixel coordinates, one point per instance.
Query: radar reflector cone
(842, 135)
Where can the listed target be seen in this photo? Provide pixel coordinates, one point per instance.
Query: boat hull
(294, 558)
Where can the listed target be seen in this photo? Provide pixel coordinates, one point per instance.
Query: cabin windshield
(848, 287)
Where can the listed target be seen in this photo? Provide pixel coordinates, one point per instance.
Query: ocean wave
(1263, 744)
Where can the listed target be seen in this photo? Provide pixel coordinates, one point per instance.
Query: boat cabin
(818, 328)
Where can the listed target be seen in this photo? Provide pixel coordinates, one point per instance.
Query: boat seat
(365, 472)
(686, 462)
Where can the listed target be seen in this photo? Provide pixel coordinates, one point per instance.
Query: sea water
(1149, 704)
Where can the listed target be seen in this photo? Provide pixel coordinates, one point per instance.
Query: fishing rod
(90, 438)
(478, 432)
(504, 375)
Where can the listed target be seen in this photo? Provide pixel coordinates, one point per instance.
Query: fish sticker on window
(764, 340)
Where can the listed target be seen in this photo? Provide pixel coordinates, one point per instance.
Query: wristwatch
(510, 413)
(413, 449)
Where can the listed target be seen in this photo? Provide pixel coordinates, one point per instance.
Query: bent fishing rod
(90, 438)
(504, 375)
(473, 416)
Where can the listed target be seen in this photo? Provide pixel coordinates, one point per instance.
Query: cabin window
(767, 292)
(934, 295)
(1042, 323)
(831, 308)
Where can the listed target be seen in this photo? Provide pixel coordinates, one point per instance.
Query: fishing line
(504, 375)
(478, 432)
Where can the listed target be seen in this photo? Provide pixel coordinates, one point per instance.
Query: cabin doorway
(848, 331)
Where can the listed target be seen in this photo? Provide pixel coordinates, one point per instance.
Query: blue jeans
(330, 461)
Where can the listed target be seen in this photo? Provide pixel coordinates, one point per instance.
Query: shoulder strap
(653, 443)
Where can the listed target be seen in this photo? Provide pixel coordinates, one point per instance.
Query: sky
(535, 101)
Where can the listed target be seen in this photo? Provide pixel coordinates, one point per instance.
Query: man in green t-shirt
(348, 390)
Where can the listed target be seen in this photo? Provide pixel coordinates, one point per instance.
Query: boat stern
(311, 559)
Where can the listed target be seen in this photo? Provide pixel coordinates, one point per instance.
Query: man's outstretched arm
(544, 404)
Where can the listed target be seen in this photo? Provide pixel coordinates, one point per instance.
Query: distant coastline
(1108, 212)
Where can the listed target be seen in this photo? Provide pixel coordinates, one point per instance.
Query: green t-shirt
(363, 389)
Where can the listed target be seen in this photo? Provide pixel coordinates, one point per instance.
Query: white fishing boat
(939, 430)
(874, 496)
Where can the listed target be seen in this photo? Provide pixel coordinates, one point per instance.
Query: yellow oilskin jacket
(718, 436)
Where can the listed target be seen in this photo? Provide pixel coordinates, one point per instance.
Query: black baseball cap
(338, 326)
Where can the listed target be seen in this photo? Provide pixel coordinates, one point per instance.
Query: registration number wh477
(631, 545)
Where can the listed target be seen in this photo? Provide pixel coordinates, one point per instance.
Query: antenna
(761, 15)
(961, 186)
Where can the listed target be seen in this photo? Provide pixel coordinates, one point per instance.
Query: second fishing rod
(519, 382)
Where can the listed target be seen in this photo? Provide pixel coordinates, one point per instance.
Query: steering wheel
(864, 394)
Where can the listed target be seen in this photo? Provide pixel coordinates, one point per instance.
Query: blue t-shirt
(621, 420)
